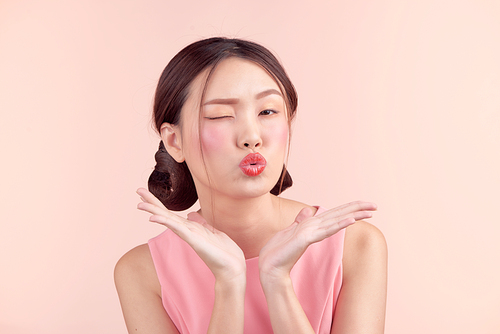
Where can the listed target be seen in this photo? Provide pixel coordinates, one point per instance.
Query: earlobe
(171, 137)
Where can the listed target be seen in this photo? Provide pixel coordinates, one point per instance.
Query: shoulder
(363, 235)
(365, 248)
(140, 293)
(137, 258)
(136, 269)
(362, 299)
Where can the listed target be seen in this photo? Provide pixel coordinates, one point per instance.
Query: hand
(219, 252)
(283, 250)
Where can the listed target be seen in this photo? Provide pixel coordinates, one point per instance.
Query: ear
(171, 137)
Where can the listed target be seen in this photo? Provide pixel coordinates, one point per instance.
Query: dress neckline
(319, 210)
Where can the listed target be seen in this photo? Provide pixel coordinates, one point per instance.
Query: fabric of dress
(187, 285)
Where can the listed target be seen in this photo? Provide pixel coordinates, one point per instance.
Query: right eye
(218, 117)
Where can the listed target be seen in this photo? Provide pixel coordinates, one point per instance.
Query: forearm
(285, 311)
(228, 311)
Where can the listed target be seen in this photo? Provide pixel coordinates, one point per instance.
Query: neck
(250, 222)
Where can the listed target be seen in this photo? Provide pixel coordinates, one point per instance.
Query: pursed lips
(253, 164)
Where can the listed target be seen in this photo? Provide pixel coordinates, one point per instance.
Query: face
(235, 143)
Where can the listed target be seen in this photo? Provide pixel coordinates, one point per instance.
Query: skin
(240, 219)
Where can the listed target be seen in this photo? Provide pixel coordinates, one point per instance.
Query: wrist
(275, 283)
(232, 285)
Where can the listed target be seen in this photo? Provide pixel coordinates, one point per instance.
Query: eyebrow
(235, 101)
(268, 92)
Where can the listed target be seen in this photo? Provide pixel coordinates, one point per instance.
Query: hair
(171, 182)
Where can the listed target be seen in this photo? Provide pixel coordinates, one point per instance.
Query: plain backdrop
(399, 103)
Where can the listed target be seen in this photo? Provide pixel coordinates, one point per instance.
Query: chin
(241, 186)
(253, 191)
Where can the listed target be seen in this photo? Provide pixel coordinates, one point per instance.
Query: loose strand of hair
(200, 116)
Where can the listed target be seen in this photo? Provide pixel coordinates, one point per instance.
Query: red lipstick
(253, 164)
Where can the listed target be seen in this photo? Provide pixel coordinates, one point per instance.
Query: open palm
(219, 252)
(283, 250)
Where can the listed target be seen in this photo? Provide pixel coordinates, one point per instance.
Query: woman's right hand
(219, 252)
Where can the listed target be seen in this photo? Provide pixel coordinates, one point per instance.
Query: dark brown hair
(171, 181)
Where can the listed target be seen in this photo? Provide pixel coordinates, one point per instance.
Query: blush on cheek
(212, 139)
(280, 133)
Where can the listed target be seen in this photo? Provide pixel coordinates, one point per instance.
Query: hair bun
(285, 181)
(171, 182)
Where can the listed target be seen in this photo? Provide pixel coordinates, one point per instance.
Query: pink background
(399, 104)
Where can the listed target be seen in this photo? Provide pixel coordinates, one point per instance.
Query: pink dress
(188, 285)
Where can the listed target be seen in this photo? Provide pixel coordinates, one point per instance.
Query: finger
(334, 228)
(348, 208)
(154, 210)
(178, 228)
(361, 215)
(151, 208)
(196, 217)
(330, 230)
(355, 216)
(305, 213)
(147, 196)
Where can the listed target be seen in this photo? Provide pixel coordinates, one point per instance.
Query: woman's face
(243, 131)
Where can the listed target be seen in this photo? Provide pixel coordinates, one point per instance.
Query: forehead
(235, 77)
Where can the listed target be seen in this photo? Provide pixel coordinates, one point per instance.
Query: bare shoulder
(140, 293)
(136, 267)
(364, 248)
(364, 234)
(362, 300)
(136, 257)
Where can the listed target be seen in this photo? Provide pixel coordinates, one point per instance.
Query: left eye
(268, 112)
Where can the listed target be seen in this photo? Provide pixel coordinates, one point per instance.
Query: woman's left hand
(282, 251)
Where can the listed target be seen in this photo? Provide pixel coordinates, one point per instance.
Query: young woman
(248, 261)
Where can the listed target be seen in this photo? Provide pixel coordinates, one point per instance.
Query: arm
(219, 252)
(281, 253)
(140, 298)
(361, 304)
(139, 292)
(228, 312)
(285, 311)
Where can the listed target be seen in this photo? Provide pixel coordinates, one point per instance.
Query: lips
(253, 164)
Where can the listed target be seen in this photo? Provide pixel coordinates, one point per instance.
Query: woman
(248, 260)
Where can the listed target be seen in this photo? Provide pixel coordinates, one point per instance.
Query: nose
(249, 135)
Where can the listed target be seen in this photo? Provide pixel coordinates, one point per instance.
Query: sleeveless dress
(187, 285)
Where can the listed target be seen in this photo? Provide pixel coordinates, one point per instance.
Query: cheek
(280, 134)
(212, 139)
